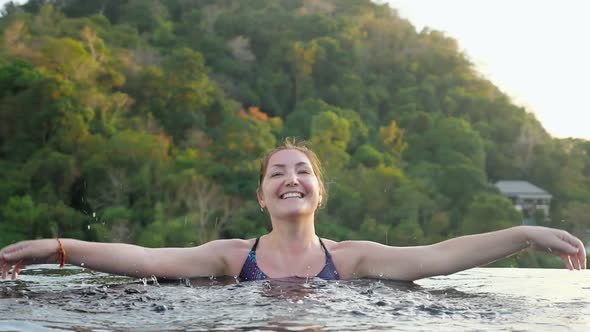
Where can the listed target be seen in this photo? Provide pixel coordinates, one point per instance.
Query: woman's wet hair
(291, 143)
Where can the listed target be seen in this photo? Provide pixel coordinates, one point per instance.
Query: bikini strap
(323, 246)
(256, 245)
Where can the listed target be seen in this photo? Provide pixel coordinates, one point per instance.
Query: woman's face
(289, 187)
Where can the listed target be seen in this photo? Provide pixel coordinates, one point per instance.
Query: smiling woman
(300, 168)
(291, 189)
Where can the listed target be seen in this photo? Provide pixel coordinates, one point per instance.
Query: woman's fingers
(575, 261)
(16, 270)
(577, 252)
(572, 250)
(566, 247)
(11, 258)
(566, 260)
(582, 257)
(5, 267)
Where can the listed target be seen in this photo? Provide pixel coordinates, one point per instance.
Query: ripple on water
(49, 298)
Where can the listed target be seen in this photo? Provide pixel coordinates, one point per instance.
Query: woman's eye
(304, 172)
(275, 175)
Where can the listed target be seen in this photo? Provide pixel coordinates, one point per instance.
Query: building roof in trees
(521, 189)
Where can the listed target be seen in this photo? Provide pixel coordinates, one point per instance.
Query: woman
(291, 190)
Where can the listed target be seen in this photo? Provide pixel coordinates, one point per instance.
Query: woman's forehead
(288, 157)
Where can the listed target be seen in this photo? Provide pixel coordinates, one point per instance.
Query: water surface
(491, 299)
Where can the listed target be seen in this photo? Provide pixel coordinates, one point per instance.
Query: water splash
(186, 282)
(154, 280)
(491, 298)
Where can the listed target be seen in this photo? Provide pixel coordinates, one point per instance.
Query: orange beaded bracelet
(61, 254)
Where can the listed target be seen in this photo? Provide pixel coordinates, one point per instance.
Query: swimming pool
(74, 299)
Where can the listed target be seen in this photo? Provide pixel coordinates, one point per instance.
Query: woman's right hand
(16, 256)
(559, 243)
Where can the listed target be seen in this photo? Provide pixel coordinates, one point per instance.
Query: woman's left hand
(560, 243)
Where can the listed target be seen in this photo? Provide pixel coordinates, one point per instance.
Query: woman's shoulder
(349, 250)
(332, 245)
(234, 253)
(346, 256)
(233, 244)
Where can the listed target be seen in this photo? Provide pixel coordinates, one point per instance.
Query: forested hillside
(143, 121)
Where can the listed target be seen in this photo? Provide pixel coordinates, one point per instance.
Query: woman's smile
(290, 180)
(292, 194)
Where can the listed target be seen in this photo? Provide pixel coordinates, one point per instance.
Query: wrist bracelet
(61, 254)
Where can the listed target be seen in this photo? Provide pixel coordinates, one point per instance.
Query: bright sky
(536, 51)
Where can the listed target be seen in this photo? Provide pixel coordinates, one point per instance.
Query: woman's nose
(292, 179)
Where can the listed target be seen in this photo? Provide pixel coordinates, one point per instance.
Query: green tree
(181, 103)
(488, 212)
(575, 218)
(330, 135)
(238, 143)
(19, 216)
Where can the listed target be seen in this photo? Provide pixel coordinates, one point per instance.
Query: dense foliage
(143, 121)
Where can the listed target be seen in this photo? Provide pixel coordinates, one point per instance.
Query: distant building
(527, 198)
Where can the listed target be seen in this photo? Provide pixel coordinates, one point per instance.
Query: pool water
(490, 299)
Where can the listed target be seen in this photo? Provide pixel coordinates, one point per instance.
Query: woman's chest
(276, 265)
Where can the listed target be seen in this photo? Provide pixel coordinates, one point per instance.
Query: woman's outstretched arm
(457, 254)
(119, 258)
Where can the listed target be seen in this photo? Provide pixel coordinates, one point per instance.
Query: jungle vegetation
(143, 121)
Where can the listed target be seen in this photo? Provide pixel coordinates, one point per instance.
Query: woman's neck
(293, 236)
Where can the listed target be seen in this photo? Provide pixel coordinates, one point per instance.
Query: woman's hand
(16, 256)
(559, 243)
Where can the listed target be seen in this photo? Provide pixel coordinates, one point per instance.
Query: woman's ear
(260, 199)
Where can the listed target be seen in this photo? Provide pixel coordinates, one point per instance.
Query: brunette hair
(292, 143)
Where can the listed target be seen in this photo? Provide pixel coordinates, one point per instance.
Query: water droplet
(160, 308)
(186, 282)
(155, 280)
(82, 264)
(88, 226)
(93, 214)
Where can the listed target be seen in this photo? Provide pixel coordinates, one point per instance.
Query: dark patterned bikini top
(251, 271)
